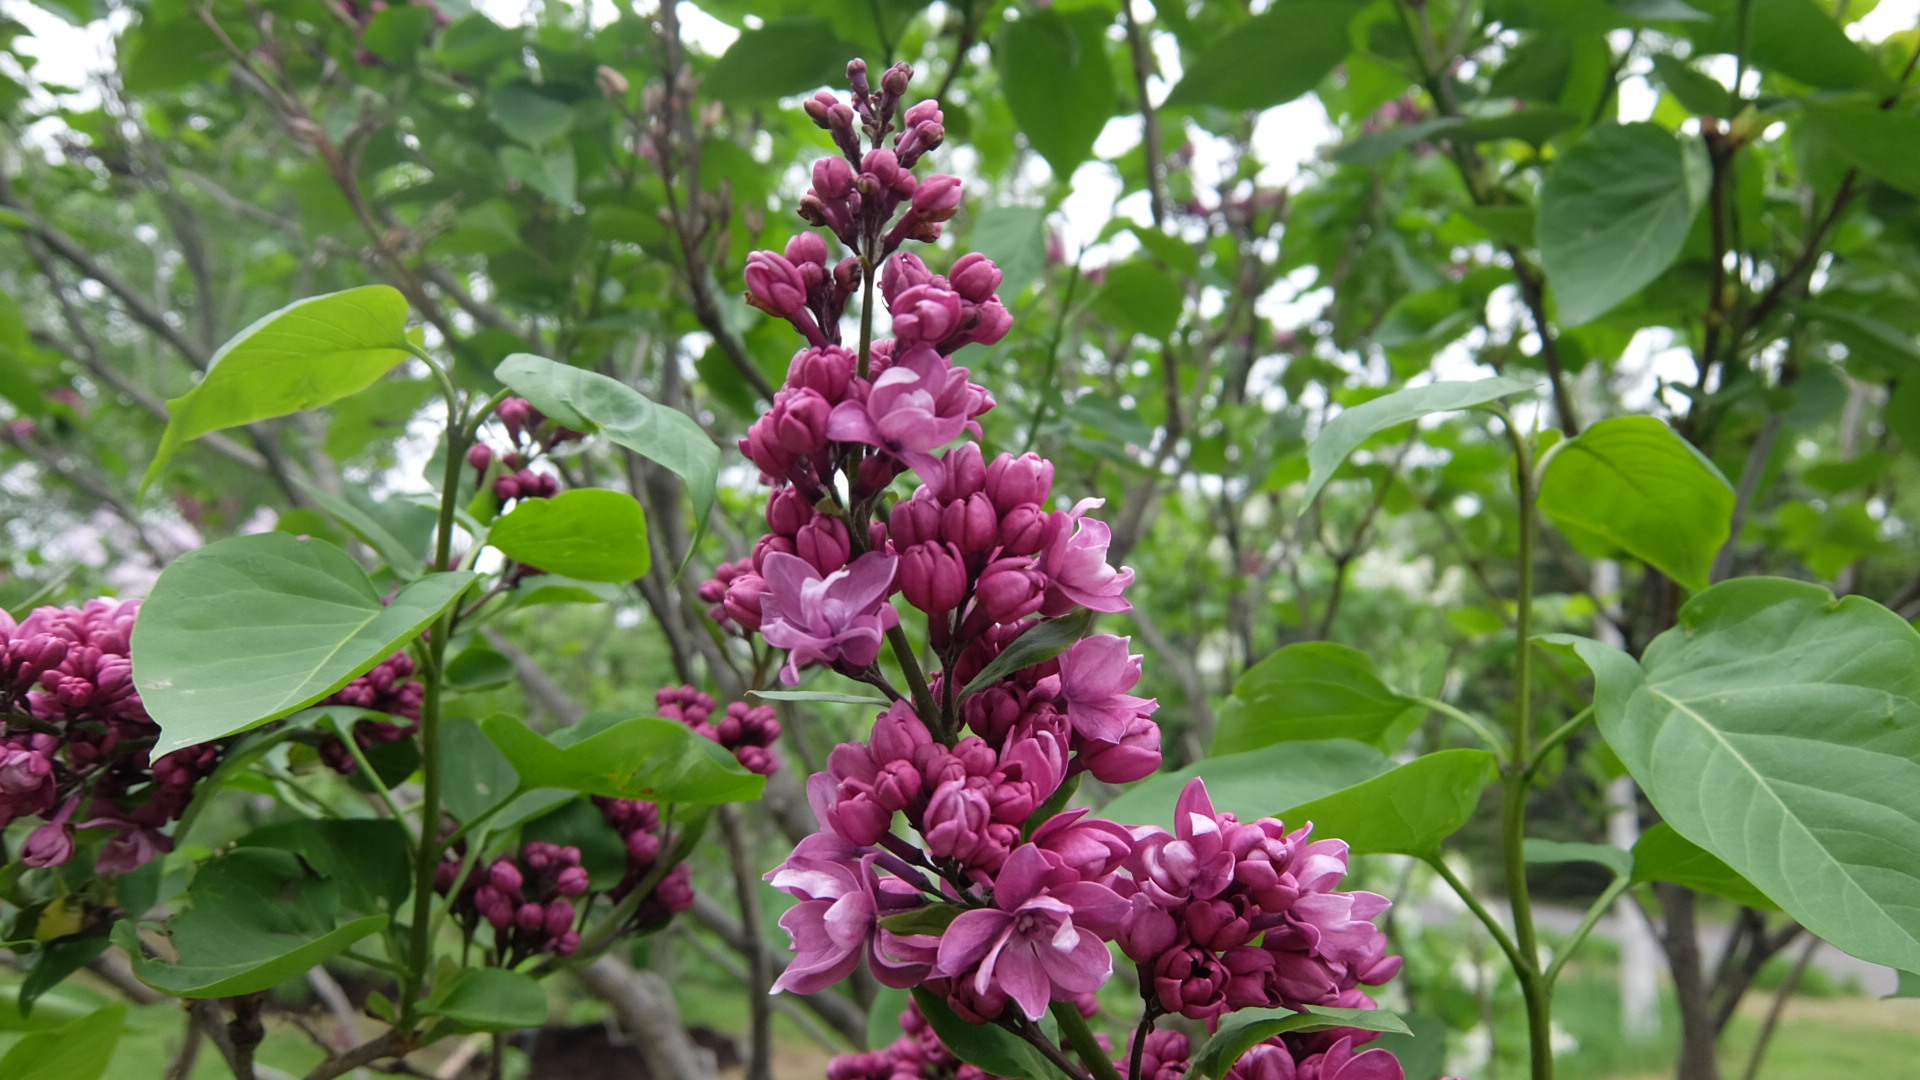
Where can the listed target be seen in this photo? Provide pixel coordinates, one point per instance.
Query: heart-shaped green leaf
(1407, 811)
(649, 758)
(588, 533)
(1310, 690)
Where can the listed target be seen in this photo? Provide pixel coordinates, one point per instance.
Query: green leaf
(1407, 811)
(1614, 214)
(400, 559)
(1270, 59)
(308, 353)
(1882, 143)
(931, 919)
(478, 667)
(1311, 690)
(819, 695)
(478, 777)
(256, 918)
(588, 401)
(397, 33)
(1177, 253)
(1779, 729)
(650, 758)
(490, 999)
(528, 115)
(1140, 297)
(1632, 484)
(379, 413)
(252, 628)
(58, 959)
(1555, 851)
(1057, 81)
(1380, 145)
(786, 56)
(1242, 1030)
(77, 1050)
(1255, 784)
(1534, 124)
(1701, 93)
(1035, 646)
(1795, 38)
(1422, 1052)
(552, 172)
(1508, 224)
(1015, 238)
(988, 1047)
(1665, 855)
(588, 533)
(1345, 432)
(366, 857)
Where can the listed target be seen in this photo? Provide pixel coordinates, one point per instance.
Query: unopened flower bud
(832, 178)
(612, 84)
(774, 285)
(933, 577)
(807, 248)
(970, 524)
(504, 876)
(975, 277)
(824, 543)
(480, 455)
(559, 918)
(1023, 531)
(937, 198)
(966, 473)
(914, 521)
(826, 370)
(788, 511)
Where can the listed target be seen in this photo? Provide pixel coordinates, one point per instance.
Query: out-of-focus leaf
(1665, 855)
(1054, 71)
(1795, 38)
(1345, 432)
(1883, 143)
(490, 999)
(1270, 59)
(79, 1049)
(529, 115)
(1140, 297)
(786, 56)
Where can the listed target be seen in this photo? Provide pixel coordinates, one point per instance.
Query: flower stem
(923, 702)
(1076, 1035)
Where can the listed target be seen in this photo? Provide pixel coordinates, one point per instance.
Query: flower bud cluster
(747, 731)
(75, 739)
(389, 688)
(917, 1053)
(641, 831)
(530, 899)
(1318, 1056)
(530, 435)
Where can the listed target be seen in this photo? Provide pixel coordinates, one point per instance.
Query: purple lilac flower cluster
(640, 829)
(389, 688)
(530, 436)
(1283, 1057)
(747, 731)
(1217, 915)
(531, 900)
(75, 739)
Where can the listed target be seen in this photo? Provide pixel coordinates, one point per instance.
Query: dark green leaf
(1177, 253)
(1407, 811)
(478, 777)
(1423, 1053)
(1779, 729)
(1556, 851)
(1508, 224)
(931, 919)
(77, 1050)
(490, 999)
(1701, 93)
(786, 56)
(1345, 432)
(588, 533)
(1376, 147)
(366, 857)
(1140, 297)
(988, 1047)
(1240, 1031)
(396, 34)
(1614, 213)
(659, 760)
(1883, 143)
(1795, 38)
(588, 401)
(255, 919)
(477, 667)
(818, 695)
(308, 353)
(1040, 644)
(252, 628)
(400, 559)
(1665, 855)
(1631, 484)
(1058, 83)
(1534, 124)
(1311, 690)
(56, 960)
(553, 172)
(1270, 59)
(1255, 784)
(528, 115)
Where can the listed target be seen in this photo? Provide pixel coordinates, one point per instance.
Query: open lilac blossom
(1094, 677)
(841, 617)
(836, 924)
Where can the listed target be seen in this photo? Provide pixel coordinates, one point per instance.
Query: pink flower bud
(894, 82)
(504, 876)
(975, 277)
(933, 577)
(480, 455)
(902, 272)
(925, 314)
(757, 759)
(774, 285)
(1010, 589)
(799, 421)
(807, 248)
(559, 918)
(1134, 757)
(898, 734)
(966, 473)
(1023, 531)
(992, 323)
(914, 521)
(970, 524)
(573, 881)
(742, 603)
(832, 180)
(824, 543)
(897, 786)
(788, 511)
(530, 917)
(937, 198)
(826, 371)
(1012, 481)
(643, 848)
(858, 817)
(883, 167)
(49, 845)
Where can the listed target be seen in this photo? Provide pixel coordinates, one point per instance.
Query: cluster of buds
(531, 900)
(530, 436)
(75, 739)
(361, 13)
(918, 1054)
(1033, 898)
(641, 831)
(389, 688)
(1318, 1056)
(746, 731)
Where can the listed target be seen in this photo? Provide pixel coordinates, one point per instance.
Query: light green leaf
(1632, 484)
(1615, 859)
(1270, 59)
(1240, 1031)
(252, 628)
(1015, 238)
(1255, 784)
(255, 918)
(1883, 143)
(1345, 432)
(400, 559)
(1407, 811)
(478, 777)
(79, 1049)
(528, 115)
(1140, 297)
(1779, 729)
(651, 758)
(1701, 93)
(490, 999)
(1795, 38)
(785, 56)
(1665, 855)
(1057, 81)
(1614, 214)
(588, 533)
(1311, 690)
(588, 401)
(553, 172)
(308, 353)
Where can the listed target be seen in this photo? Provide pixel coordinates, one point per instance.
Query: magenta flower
(1039, 942)
(1075, 561)
(919, 403)
(1094, 677)
(837, 922)
(841, 617)
(1192, 863)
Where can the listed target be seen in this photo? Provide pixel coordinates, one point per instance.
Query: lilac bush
(997, 901)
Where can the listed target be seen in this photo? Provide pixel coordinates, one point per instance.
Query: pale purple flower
(840, 617)
(1094, 677)
(919, 403)
(1039, 942)
(1193, 862)
(1075, 561)
(837, 923)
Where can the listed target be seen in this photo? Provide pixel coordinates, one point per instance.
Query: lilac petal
(1081, 967)
(849, 422)
(1095, 907)
(1022, 877)
(1022, 975)
(1193, 801)
(867, 579)
(969, 938)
